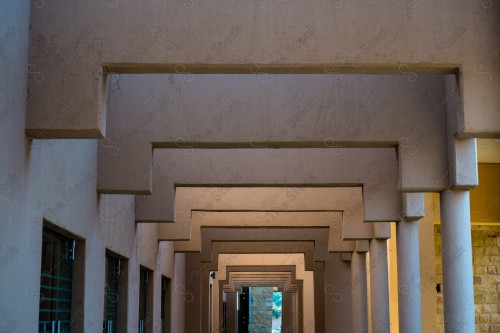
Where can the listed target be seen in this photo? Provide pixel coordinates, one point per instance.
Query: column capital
(462, 156)
(381, 230)
(413, 206)
(362, 246)
(346, 257)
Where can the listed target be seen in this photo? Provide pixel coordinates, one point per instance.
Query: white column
(408, 254)
(456, 245)
(409, 303)
(379, 288)
(359, 293)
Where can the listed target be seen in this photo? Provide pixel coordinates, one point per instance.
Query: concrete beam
(293, 235)
(92, 41)
(375, 169)
(300, 220)
(272, 205)
(236, 248)
(282, 280)
(227, 111)
(289, 269)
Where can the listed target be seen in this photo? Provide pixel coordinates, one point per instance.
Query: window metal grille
(111, 297)
(56, 283)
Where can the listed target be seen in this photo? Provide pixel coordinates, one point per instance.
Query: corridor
(249, 166)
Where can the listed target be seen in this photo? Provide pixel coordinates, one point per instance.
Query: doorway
(260, 310)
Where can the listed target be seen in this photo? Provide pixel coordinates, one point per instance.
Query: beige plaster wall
(54, 180)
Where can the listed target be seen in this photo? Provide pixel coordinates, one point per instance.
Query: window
(143, 299)
(111, 294)
(165, 304)
(56, 283)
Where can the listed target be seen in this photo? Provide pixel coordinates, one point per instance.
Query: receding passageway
(268, 166)
(258, 309)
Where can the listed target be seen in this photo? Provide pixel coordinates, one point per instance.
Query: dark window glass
(165, 285)
(56, 283)
(143, 289)
(111, 294)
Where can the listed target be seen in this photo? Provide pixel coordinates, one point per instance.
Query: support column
(289, 313)
(298, 308)
(409, 298)
(191, 290)
(231, 315)
(379, 288)
(359, 292)
(319, 297)
(458, 285)
(410, 305)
